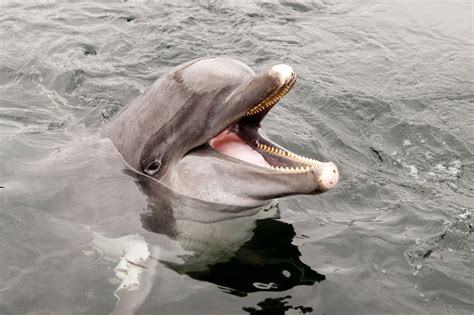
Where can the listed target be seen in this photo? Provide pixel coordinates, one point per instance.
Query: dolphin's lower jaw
(241, 140)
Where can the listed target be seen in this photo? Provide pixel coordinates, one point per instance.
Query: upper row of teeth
(291, 155)
(270, 101)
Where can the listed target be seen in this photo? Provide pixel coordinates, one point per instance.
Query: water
(385, 90)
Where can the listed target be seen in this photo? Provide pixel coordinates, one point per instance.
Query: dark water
(385, 91)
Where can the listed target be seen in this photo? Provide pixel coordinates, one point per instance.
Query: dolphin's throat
(230, 144)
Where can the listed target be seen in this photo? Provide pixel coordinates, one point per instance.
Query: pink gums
(230, 144)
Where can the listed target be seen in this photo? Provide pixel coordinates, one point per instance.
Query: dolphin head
(197, 130)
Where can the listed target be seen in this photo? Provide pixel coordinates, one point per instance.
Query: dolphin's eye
(153, 167)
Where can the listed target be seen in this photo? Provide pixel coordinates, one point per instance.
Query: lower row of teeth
(292, 169)
(286, 154)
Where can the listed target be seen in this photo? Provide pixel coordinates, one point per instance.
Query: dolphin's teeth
(291, 169)
(309, 163)
(288, 154)
(271, 100)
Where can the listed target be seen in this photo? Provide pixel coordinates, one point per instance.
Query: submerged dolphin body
(197, 131)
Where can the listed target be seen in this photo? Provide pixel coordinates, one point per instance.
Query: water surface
(385, 90)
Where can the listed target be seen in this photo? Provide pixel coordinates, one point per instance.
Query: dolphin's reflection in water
(267, 262)
(239, 249)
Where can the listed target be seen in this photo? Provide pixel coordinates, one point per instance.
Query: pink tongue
(231, 145)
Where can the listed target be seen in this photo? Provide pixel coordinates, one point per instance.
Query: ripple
(384, 90)
(86, 255)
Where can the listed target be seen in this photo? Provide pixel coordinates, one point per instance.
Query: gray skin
(164, 135)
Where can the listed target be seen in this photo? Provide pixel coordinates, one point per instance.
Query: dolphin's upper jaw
(242, 140)
(286, 78)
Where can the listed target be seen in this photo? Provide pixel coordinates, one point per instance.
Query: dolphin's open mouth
(197, 131)
(241, 139)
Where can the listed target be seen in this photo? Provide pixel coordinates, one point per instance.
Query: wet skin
(197, 131)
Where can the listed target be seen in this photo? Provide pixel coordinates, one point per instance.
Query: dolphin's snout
(329, 176)
(283, 72)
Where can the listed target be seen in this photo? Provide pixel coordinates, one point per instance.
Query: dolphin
(197, 130)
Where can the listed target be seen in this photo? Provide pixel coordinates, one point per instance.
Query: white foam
(465, 215)
(134, 252)
(413, 171)
(450, 170)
